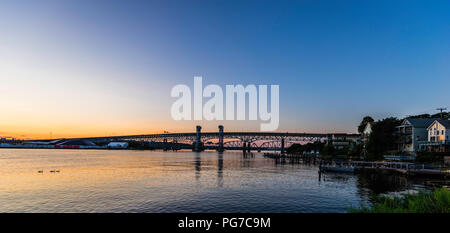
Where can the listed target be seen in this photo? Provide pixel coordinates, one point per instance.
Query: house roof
(445, 123)
(420, 122)
(368, 126)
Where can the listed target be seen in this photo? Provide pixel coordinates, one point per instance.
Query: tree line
(382, 140)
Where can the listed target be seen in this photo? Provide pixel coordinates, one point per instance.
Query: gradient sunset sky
(97, 68)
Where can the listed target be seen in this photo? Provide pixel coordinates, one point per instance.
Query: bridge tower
(198, 139)
(220, 147)
(282, 146)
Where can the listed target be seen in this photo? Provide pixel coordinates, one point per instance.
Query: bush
(437, 201)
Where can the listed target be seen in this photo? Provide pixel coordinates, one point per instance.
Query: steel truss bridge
(226, 140)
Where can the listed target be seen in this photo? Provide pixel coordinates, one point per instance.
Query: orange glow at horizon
(74, 130)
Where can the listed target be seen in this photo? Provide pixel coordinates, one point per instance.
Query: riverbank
(436, 201)
(350, 166)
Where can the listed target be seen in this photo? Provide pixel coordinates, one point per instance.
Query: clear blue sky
(113, 63)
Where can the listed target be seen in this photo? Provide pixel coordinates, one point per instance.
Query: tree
(309, 147)
(445, 115)
(328, 150)
(295, 149)
(364, 122)
(426, 115)
(382, 138)
(355, 151)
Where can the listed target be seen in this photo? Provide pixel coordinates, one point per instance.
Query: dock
(405, 168)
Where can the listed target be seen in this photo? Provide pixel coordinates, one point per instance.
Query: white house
(367, 131)
(412, 131)
(438, 136)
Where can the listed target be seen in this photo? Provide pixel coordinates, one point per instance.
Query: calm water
(156, 181)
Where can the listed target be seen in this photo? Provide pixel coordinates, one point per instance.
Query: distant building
(438, 136)
(340, 141)
(411, 132)
(117, 145)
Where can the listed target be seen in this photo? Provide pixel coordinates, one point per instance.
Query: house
(365, 136)
(411, 132)
(438, 136)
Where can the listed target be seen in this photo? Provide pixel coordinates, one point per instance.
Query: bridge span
(230, 140)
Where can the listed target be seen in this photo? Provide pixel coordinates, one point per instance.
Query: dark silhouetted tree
(382, 138)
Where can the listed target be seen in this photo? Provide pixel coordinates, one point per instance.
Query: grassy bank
(437, 201)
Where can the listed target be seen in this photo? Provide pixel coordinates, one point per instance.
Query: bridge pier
(220, 147)
(165, 144)
(282, 146)
(174, 144)
(198, 139)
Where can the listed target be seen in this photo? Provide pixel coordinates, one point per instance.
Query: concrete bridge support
(220, 147)
(198, 139)
(165, 147)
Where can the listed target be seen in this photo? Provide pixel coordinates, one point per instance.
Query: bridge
(229, 140)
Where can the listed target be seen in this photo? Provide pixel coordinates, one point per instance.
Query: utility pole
(441, 109)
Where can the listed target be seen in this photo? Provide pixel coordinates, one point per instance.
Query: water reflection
(378, 182)
(220, 169)
(247, 160)
(184, 181)
(198, 165)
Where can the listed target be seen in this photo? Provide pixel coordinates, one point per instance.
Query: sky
(104, 68)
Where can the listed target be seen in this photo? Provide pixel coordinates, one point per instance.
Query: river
(181, 182)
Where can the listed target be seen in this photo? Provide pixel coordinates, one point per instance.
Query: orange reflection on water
(72, 169)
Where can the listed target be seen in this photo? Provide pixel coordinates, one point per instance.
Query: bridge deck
(227, 134)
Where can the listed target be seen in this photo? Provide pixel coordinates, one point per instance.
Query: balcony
(404, 139)
(404, 130)
(436, 143)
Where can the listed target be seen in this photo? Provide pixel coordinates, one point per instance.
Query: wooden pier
(308, 158)
(404, 168)
(400, 168)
